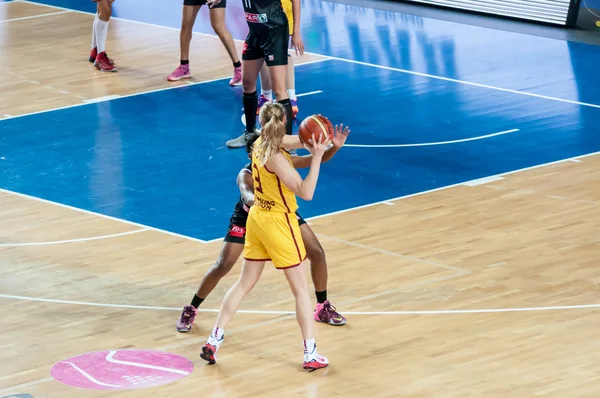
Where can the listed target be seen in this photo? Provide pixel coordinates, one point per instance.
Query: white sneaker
(314, 361)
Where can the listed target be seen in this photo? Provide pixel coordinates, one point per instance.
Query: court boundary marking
(410, 72)
(418, 144)
(385, 201)
(36, 16)
(97, 100)
(78, 240)
(275, 312)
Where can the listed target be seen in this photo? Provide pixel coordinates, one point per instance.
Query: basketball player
(99, 31)
(266, 91)
(273, 232)
(234, 244)
(267, 42)
(217, 21)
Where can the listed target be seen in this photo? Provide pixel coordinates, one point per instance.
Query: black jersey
(240, 212)
(267, 13)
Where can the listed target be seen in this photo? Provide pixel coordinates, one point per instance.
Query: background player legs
(230, 252)
(278, 78)
(266, 91)
(217, 21)
(188, 18)
(291, 85)
(250, 71)
(101, 61)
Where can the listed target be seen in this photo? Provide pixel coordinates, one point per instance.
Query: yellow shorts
(287, 8)
(274, 236)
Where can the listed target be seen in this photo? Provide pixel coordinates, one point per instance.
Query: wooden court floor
(429, 283)
(39, 76)
(526, 241)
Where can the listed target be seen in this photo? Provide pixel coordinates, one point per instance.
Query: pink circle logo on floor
(121, 369)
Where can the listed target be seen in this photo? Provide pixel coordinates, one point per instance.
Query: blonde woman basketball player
(272, 231)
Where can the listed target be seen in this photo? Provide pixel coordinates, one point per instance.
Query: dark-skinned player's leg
(230, 252)
(324, 312)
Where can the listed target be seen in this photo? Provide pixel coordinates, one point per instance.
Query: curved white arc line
(265, 312)
(58, 242)
(89, 377)
(481, 137)
(110, 358)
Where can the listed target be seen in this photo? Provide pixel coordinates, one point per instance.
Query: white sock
(267, 93)
(309, 346)
(217, 334)
(94, 32)
(101, 32)
(292, 94)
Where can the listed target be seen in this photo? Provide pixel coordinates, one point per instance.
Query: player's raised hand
(317, 148)
(212, 3)
(298, 43)
(339, 136)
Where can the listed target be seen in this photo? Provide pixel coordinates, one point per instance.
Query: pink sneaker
(182, 72)
(327, 313)
(236, 80)
(186, 320)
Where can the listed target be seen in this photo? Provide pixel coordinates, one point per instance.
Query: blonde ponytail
(272, 118)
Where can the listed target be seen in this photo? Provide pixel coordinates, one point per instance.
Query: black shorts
(222, 4)
(270, 43)
(237, 234)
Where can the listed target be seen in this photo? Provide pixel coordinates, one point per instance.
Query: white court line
(440, 188)
(101, 99)
(58, 242)
(460, 271)
(482, 181)
(386, 201)
(145, 227)
(26, 385)
(110, 358)
(89, 377)
(309, 93)
(243, 118)
(36, 16)
(410, 72)
(118, 97)
(481, 137)
(507, 90)
(265, 312)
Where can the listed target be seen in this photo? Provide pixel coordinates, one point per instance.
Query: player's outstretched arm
(338, 141)
(290, 177)
(246, 186)
(290, 142)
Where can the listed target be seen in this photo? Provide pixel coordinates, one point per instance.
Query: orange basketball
(317, 125)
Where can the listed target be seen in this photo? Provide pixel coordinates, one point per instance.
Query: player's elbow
(306, 196)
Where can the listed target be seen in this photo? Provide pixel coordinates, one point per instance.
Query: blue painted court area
(159, 159)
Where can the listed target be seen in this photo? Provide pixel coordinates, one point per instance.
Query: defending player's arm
(338, 140)
(296, 37)
(290, 177)
(246, 186)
